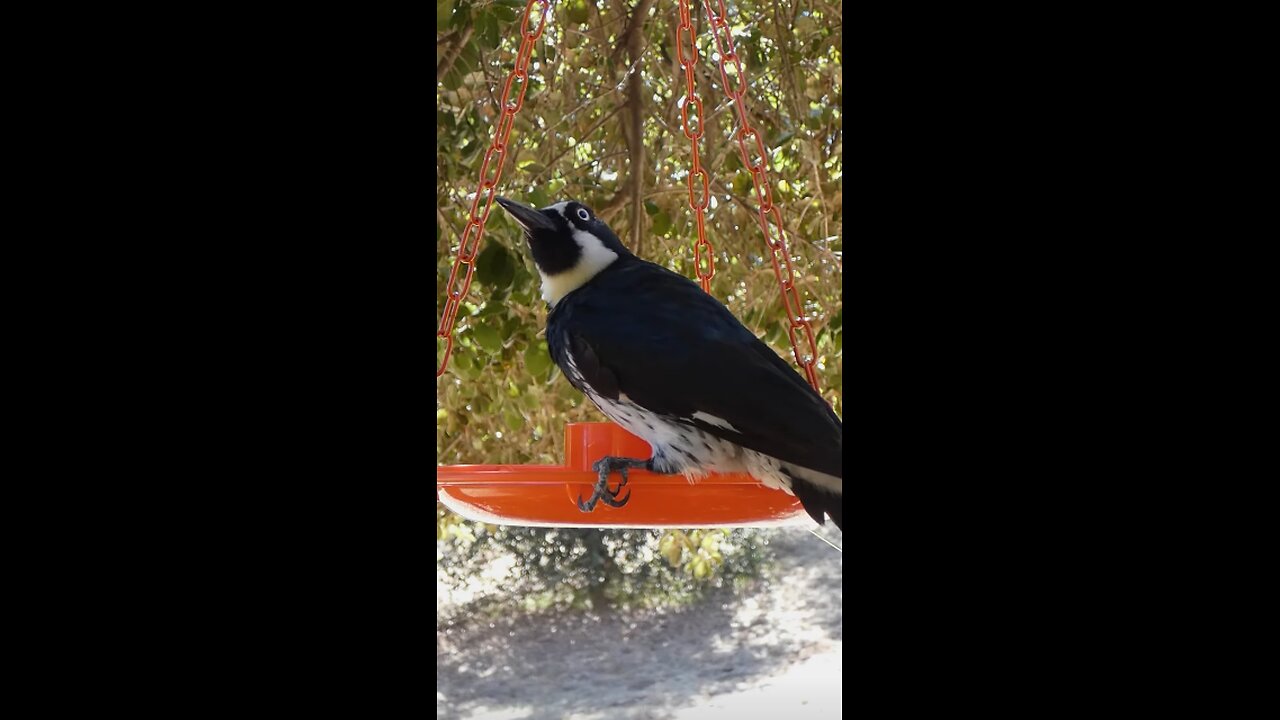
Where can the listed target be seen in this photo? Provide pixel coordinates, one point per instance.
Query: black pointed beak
(528, 218)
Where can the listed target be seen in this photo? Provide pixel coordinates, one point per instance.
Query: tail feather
(817, 501)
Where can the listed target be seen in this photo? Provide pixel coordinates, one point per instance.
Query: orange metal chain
(703, 253)
(494, 158)
(770, 217)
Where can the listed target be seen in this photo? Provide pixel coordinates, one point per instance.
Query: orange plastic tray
(546, 495)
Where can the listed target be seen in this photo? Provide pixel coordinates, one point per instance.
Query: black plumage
(638, 328)
(671, 363)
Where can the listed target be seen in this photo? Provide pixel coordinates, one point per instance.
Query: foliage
(501, 400)
(558, 568)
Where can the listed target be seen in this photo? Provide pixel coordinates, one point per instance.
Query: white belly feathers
(683, 448)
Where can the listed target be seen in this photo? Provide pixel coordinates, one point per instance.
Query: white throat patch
(595, 257)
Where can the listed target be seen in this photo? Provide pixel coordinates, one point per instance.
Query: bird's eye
(584, 214)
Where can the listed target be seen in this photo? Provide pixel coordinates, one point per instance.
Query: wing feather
(642, 330)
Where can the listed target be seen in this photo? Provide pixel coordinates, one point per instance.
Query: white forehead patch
(559, 207)
(595, 257)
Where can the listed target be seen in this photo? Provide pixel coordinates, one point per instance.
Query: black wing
(643, 330)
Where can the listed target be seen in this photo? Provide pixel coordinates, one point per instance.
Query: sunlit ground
(777, 649)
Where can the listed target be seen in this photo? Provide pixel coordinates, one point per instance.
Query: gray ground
(774, 650)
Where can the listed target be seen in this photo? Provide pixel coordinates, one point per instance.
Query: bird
(673, 366)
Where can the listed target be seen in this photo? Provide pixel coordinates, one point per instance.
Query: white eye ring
(583, 214)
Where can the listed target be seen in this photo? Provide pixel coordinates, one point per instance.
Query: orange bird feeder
(546, 495)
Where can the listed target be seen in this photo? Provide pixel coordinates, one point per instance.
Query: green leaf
(462, 360)
(444, 11)
(521, 279)
(532, 167)
(487, 29)
(488, 338)
(506, 13)
(462, 17)
(537, 359)
(650, 207)
(495, 267)
(468, 60)
(511, 327)
(538, 197)
(774, 335)
(577, 13)
(671, 547)
(492, 308)
(451, 80)
(661, 223)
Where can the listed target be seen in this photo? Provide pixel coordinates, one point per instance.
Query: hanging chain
(703, 254)
(494, 158)
(769, 215)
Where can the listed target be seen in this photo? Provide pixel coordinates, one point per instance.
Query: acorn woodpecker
(672, 365)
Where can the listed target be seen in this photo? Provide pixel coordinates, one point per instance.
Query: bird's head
(570, 245)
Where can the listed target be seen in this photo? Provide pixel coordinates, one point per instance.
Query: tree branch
(451, 57)
(548, 165)
(787, 234)
(632, 39)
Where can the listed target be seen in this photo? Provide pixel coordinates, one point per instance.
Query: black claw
(611, 502)
(614, 492)
(602, 492)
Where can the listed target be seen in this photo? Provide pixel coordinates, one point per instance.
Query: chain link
(769, 215)
(487, 188)
(703, 254)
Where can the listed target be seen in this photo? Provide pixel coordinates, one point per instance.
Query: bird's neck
(595, 258)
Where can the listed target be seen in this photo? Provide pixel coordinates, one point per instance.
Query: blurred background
(537, 622)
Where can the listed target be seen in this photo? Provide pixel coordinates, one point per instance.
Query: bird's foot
(603, 493)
